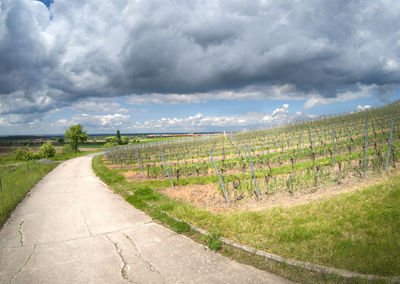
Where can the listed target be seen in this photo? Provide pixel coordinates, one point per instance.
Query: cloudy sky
(177, 65)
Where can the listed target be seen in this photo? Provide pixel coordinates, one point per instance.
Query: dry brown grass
(204, 196)
(210, 197)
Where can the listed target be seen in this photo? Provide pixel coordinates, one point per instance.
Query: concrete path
(72, 229)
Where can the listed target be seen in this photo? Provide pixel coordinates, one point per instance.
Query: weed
(180, 227)
(213, 240)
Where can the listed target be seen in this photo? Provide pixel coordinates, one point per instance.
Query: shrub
(110, 145)
(29, 154)
(18, 154)
(67, 149)
(213, 240)
(47, 150)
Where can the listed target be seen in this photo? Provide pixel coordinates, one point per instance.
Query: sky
(145, 66)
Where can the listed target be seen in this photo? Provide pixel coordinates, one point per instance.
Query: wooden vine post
(140, 164)
(165, 166)
(220, 181)
(126, 162)
(334, 145)
(365, 145)
(390, 146)
(254, 174)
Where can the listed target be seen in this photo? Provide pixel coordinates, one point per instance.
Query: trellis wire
(252, 170)
(165, 166)
(219, 177)
(390, 146)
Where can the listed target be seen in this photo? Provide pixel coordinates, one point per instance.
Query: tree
(124, 141)
(75, 135)
(118, 138)
(47, 150)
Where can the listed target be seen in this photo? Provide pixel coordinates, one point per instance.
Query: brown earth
(210, 197)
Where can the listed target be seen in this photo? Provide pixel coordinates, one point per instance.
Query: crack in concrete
(21, 236)
(151, 266)
(86, 224)
(23, 266)
(74, 239)
(125, 267)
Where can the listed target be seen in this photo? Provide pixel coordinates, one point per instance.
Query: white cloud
(61, 124)
(98, 106)
(199, 122)
(193, 52)
(363, 108)
(279, 114)
(109, 121)
(362, 92)
(288, 92)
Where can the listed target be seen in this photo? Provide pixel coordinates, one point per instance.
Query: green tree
(118, 138)
(29, 154)
(75, 135)
(67, 149)
(47, 150)
(124, 141)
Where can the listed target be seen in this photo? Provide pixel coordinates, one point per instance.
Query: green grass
(62, 157)
(16, 184)
(355, 231)
(17, 181)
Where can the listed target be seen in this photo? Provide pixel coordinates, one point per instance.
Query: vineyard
(293, 159)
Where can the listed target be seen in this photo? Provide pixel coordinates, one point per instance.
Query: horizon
(200, 66)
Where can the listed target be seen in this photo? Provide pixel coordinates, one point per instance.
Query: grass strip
(16, 183)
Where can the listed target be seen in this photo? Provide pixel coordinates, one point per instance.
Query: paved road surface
(72, 229)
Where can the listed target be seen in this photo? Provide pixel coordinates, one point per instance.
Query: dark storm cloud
(93, 49)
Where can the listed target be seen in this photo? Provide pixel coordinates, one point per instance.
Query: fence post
(165, 166)
(1, 184)
(126, 162)
(334, 146)
(390, 146)
(254, 174)
(140, 164)
(365, 145)
(220, 181)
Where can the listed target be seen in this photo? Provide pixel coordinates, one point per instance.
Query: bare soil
(210, 198)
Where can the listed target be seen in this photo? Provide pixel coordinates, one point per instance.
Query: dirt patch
(210, 197)
(204, 196)
(287, 200)
(5, 150)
